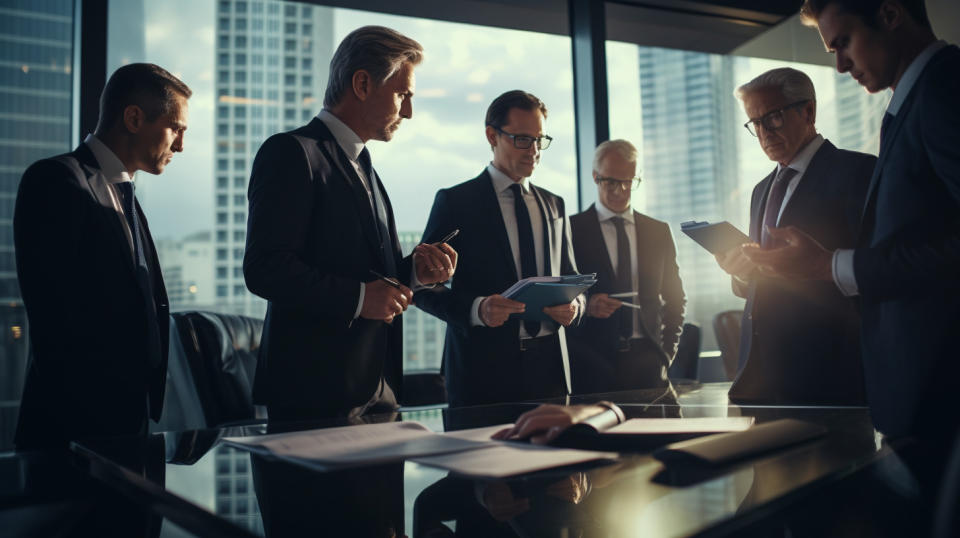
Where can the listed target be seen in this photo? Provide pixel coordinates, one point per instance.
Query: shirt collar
(911, 75)
(502, 182)
(110, 165)
(604, 213)
(348, 140)
(803, 157)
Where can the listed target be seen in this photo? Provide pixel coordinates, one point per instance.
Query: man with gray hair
(635, 311)
(322, 244)
(799, 341)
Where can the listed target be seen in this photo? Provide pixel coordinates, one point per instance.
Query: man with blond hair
(321, 237)
(635, 311)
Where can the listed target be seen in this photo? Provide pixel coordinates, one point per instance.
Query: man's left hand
(800, 258)
(434, 263)
(562, 313)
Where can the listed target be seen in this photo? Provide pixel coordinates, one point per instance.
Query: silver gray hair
(378, 50)
(622, 147)
(794, 85)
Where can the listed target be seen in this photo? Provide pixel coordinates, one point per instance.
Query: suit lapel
(334, 154)
(102, 193)
(494, 216)
(816, 170)
(757, 217)
(596, 243)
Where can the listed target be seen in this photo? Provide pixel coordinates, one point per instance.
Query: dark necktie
(774, 201)
(128, 201)
(380, 213)
(528, 252)
(887, 119)
(624, 280)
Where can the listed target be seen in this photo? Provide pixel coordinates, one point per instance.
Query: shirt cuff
(363, 289)
(415, 284)
(843, 275)
(475, 320)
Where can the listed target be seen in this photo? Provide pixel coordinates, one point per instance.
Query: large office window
(697, 161)
(36, 81)
(464, 69)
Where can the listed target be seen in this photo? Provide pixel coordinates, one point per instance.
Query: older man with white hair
(622, 346)
(799, 341)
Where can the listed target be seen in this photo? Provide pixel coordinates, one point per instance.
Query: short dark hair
(499, 109)
(865, 9)
(149, 86)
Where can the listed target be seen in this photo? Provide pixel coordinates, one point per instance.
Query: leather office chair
(726, 326)
(684, 367)
(217, 355)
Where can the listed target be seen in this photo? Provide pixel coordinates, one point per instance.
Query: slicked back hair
(148, 86)
(865, 9)
(378, 50)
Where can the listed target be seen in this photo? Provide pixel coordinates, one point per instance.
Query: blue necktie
(528, 252)
(128, 201)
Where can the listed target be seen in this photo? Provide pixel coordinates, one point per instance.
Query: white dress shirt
(799, 163)
(842, 268)
(113, 172)
(502, 184)
(351, 145)
(609, 231)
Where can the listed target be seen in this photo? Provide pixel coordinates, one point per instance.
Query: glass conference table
(191, 484)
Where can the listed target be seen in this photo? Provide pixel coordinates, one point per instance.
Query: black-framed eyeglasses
(525, 141)
(614, 184)
(773, 120)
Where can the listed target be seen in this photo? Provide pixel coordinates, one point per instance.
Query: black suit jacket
(480, 362)
(661, 290)
(311, 240)
(799, 341)
(92, 371)
(907, 263)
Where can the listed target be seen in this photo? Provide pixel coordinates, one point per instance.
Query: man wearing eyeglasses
(799, 341)
(635, 311)
(509, 229)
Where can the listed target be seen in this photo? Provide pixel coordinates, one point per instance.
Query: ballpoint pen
(449, 236)
(386, 279)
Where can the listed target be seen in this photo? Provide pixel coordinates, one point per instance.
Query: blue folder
(537, 295)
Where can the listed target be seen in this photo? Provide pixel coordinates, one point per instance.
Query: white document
(508, 459)
(355, 445)
(682, 425)
(483, 434)
(523, 282)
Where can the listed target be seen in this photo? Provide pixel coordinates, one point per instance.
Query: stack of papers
(541, 291)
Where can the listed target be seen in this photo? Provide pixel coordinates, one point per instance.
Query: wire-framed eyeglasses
(525, 141)
(773, 120)
(614, 184)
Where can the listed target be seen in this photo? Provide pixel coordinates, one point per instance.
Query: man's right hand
(383, 301)
(735, 264)
(601, 305)
(495, 309)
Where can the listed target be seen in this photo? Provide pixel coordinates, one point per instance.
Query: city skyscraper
(423, 334)
(36, 50)
(186, 267)
(690, 163)
(271, 62)
(859, 115)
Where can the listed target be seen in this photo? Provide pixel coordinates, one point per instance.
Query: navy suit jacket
(800, 340)
(907, 262)
(93, 371)
(479, 362)
(661, 290)
(311, 239)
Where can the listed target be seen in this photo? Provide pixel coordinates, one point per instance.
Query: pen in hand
(449, 236)
(388, 280)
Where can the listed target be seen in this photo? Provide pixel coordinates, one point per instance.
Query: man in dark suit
(88, 270)
(800, 341)
(905, 263)
(320, 233)
(509, 229)
(617, 346)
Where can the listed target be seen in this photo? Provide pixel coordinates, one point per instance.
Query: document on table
(356, 445)
(508, 459)
(681, 425)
